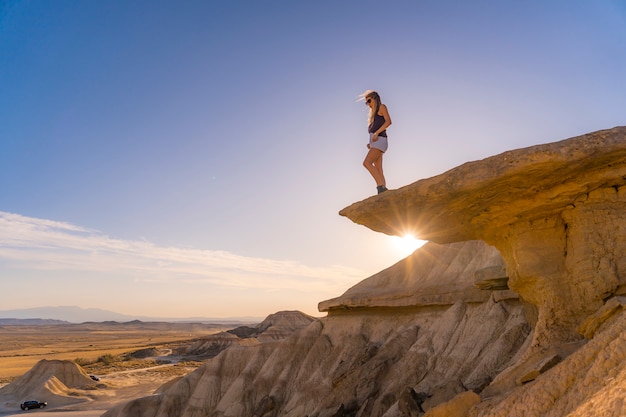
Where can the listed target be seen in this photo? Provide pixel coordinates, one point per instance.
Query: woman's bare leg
(374, 164)
(378, 164)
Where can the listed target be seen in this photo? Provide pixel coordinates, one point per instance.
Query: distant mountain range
(75, 314)
(31, 322)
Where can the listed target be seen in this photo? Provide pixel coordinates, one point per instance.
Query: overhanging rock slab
(556, 212)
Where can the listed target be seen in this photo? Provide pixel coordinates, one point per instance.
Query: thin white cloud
(40, 244)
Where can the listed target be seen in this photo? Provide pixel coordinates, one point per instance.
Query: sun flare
(407, 244)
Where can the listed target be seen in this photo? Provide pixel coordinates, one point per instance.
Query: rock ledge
(556, 212)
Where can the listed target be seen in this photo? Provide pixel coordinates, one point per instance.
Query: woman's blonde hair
(374, 109)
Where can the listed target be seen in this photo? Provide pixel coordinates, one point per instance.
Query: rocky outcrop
(591, 382)
(371, 352)
(434, 275)
(275, 327)
(210, 346)
(531, 323)
(555, 212)
(355, 363)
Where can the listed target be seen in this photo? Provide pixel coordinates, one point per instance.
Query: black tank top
(376, 124)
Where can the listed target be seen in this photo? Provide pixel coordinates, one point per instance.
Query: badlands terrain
(22, 346)
(515, 308)
(54, 363)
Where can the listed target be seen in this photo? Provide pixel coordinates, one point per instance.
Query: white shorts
(380, 144)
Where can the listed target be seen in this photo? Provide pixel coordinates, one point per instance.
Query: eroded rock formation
(53, 380)
(373, 355)
(529, 324)
(556, 212)
(591, 382)
(275, 327)
(435, 275)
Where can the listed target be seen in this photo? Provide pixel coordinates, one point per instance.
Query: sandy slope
(48, 381)
(90, 413)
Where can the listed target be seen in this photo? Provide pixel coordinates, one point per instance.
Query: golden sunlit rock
(486, 320)
(556, 212)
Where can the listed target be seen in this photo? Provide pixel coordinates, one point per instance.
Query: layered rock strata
(591, 382)
(383, 354)
(434, 275)
(275, 327)
(54, 381)
(440, 333)
(556, 212)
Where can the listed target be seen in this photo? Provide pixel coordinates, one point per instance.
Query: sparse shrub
(106, 359)
(82, 362)
(6, 380)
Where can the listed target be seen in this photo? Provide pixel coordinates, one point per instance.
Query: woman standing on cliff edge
(379, 121)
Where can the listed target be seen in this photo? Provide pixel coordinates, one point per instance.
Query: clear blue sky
(189, 158)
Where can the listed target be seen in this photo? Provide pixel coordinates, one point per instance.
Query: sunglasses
(368, 101)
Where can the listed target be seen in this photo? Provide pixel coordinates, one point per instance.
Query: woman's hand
(374, 137)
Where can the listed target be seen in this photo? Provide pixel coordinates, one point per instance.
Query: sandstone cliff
(530, 323)
(555, 212)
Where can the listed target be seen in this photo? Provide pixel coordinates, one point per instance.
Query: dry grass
(102, 349)
(21, 347)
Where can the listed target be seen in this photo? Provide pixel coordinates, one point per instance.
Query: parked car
(27, 405)
(95, 378)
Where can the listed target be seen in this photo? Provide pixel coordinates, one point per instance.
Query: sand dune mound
(54, 381)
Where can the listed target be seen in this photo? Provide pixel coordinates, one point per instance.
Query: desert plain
(122, 376)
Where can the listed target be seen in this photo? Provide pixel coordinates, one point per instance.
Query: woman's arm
(385, 113)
